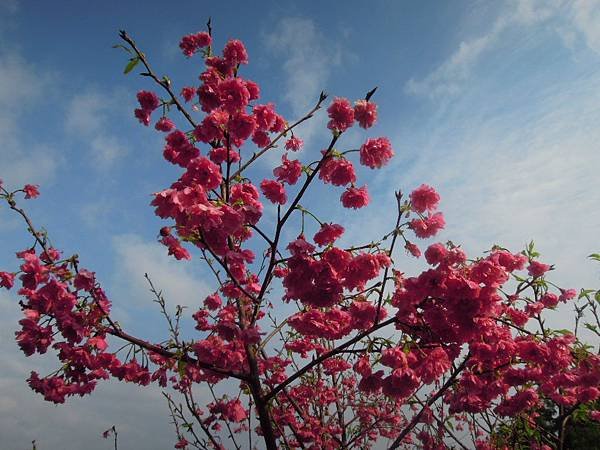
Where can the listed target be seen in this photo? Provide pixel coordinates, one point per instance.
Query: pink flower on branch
(355, 197)
(274, 191)
(31, 191)
(365, 113)
(376, 153)
(428, 226)
(191, 43)
(341, 115)
(424, 198)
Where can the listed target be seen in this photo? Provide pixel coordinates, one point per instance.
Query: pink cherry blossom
(365, 113)
(355, 197)
(424, 198)
(375, 153)
(294, 144)
(274, 191)
(341, 115)
(31, 191)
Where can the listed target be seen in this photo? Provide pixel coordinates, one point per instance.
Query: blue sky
(496, 104)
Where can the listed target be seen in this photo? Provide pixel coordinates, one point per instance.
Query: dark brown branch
(430, 401)
(281, 222)
(223, 264)
(386, 271)
(165, 83)
(257, 155)
(191, 405)
(327, 355)
(168, 354)
(114, 330)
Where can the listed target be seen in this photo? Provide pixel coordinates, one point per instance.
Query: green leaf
(131, 65)
(585, 293)
(563, 332)
(181, 368)
(123, 47)
(595, 256)
(531, 250)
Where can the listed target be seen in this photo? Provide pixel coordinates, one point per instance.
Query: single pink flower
(328, 234)
(149, 101)
(164, 124)
(355, 197)
(424, 198)
(191, 43)
(376, 153)
(31, 191)
(294, 144)
(365, 113)
(341, 115)
(274, 191)
(537, 269)
(413, 249)
(188, 93)
(428, 226)
(235, 52)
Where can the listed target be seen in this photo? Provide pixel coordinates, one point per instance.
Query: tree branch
(165, 83)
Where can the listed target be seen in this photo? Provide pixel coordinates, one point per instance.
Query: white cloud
(21, 87)
(26, 416)
(447, 79)
(308, 59)
(586, 18)
(96, 214)
(106, 150)
(87, 120)
(86, 113)
(10, 6)
(529, 12)
(21, 81)
(569, 19)
(507, 178)
(37, 167)
(179, 280)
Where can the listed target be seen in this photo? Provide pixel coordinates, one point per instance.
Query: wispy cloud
(96, 215)
(179, 280)
(447, 78)
(308, 59)
(569, 19)
(87, 119)
(518, 161)
(10, 6)
(22, 85)
(87, 113)
(80, 422)
(38, 166)
(106, 150)
(586, 18)
(527, 174)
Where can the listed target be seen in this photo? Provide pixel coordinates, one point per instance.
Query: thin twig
(165, 83)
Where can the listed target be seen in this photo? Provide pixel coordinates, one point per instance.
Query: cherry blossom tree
(458, 356)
